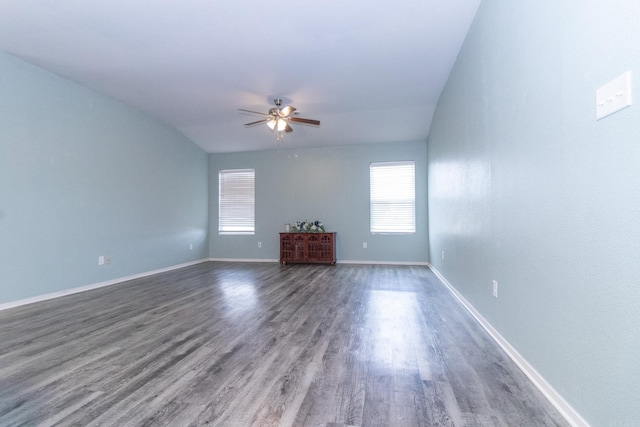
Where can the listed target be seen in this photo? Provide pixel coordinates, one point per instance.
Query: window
(236, 201)
(393, 197)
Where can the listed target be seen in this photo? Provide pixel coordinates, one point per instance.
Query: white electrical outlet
(101, 260)
(495, 289)
(364, 245)
(259, 244)
(190, 246)
(442, 255)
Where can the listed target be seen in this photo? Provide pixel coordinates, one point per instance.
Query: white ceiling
(370, 71)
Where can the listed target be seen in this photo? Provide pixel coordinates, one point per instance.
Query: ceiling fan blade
(305, 121)
(257, 122)
(288, 128)
(286, 111)
(252, 112)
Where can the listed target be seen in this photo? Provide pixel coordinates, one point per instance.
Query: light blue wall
(527, 188)
(327, 184)
(82, 176)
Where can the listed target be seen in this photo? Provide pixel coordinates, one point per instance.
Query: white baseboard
(243, 260)
(570, 414)
(66, 292)
(425, 264)
(347, 261)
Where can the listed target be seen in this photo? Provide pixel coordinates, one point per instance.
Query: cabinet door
(299, 247)
(326, 248)
(286, 248)
(314, 247)
(320, 247)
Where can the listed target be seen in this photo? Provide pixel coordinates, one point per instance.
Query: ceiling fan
(278, 119)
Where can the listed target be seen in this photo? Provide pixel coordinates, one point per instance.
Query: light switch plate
(614, 96)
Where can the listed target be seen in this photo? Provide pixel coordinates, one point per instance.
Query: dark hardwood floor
(257, 344)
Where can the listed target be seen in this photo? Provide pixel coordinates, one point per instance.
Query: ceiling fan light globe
(282, 125)
(272, 124)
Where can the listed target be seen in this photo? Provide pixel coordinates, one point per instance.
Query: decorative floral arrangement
(307, 227)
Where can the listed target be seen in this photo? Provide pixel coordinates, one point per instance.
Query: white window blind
(236, 201)
(393, 197)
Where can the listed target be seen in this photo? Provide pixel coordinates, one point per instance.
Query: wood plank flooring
(258, 344)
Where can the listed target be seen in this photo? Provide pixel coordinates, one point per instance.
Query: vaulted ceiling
(370, 71)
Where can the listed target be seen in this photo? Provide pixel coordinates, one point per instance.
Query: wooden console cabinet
(319, 248)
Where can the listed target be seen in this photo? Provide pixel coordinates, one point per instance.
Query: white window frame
(392, 197)
(236, 201)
